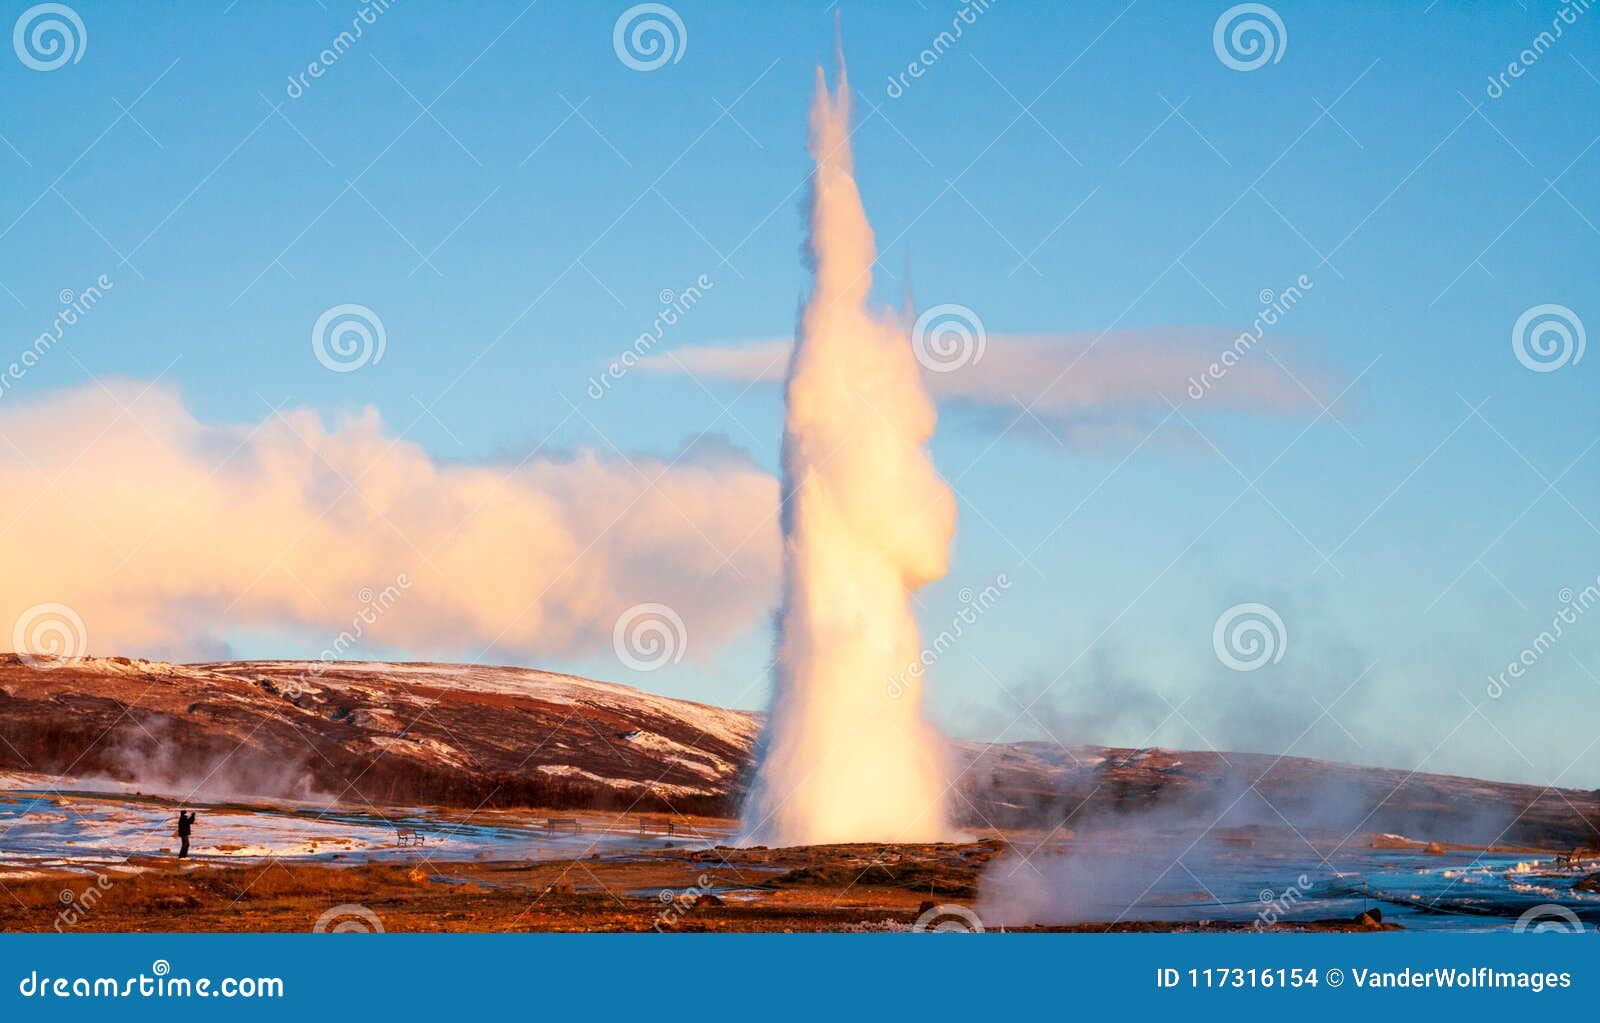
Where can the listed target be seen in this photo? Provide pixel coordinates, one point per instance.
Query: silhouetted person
(185, 822)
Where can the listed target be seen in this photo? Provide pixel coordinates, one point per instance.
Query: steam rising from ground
(1226, 845)
(866, 522)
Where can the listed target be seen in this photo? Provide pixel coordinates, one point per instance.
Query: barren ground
(821, 888)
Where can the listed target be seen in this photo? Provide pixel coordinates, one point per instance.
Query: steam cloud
(167, 536)
(867, 521)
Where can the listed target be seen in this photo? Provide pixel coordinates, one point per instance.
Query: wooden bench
(553, 824)
(408, 836)
(646, 826)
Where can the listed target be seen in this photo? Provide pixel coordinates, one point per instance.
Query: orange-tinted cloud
(166, 535)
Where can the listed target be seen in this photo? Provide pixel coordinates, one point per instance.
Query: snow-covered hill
(471, 735)
(435, 733)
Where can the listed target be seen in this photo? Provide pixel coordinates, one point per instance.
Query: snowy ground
(1459, 890)
(49, 823)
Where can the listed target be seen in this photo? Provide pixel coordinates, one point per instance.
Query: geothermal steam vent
(867, 521)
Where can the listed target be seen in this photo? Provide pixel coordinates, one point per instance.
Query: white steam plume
(867, 521)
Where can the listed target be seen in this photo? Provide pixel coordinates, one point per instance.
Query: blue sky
(512, 199)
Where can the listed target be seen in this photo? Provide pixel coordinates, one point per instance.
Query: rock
(1433, 849)
(1370, 918)
(176, 902)
(1588, 883)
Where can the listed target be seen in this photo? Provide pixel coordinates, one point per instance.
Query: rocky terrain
(470, 736)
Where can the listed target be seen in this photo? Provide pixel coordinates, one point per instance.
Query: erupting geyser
(847, 755)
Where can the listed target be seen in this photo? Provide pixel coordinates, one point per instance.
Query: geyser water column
(847, 755)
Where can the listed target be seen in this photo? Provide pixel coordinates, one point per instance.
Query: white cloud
(166, 534)
(1090, 382)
